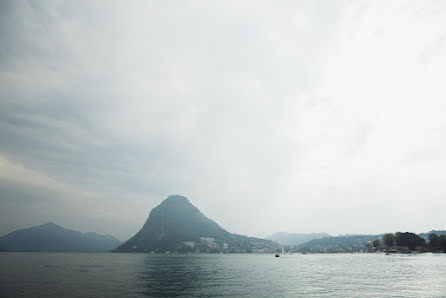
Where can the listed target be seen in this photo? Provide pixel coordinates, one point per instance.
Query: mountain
(349, 243)
(352, 243)
(51, 237)
(294, 239)
(178, 226)
(438, 232)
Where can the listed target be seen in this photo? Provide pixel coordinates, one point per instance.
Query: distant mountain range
(294, 239)
(349, 243)
(178, 226)
(53, 238)
(425, 236)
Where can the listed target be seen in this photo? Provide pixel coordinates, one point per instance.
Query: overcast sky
(299, 116)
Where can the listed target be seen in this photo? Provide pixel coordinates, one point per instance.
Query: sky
(295, 116)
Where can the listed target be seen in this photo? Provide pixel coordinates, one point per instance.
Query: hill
(178, 226)
(294, 239)
(438, 232)
(350, 243)
(51, 238)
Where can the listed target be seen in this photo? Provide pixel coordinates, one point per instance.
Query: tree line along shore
(410, 242)
(400, 242)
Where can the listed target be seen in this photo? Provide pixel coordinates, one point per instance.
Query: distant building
(189, 244)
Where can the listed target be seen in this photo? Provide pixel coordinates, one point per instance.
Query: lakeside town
(433, 241)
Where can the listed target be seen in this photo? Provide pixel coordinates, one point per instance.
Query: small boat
(277, 255)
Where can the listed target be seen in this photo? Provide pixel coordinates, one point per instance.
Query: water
(244, 275)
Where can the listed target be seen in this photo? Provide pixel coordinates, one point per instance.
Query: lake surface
(208, 275)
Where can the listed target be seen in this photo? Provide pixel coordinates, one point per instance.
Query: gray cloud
(309, 114)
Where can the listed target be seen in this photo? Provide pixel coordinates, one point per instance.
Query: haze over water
(204, 275)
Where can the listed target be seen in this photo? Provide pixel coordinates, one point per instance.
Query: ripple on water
(140, 275)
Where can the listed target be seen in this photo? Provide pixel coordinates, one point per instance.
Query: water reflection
(173, 276)
(245, 275)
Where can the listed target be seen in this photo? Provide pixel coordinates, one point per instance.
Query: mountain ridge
(51, 237)
(294, 239)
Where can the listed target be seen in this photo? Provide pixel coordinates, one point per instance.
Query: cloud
(307, 113)
(18, 173)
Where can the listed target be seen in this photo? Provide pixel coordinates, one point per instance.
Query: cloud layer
(298, 116)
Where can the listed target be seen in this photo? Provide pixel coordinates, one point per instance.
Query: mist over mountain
(352, 243)
(177, 225)
(425, 236)
(346, 243)
(294, 239)
(53, 238)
